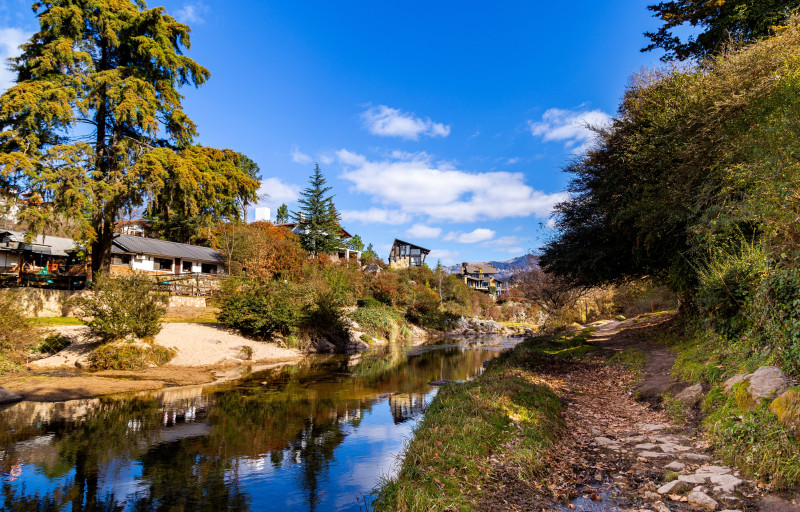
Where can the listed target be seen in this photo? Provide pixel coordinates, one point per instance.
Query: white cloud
(10, 40)
(192, 13)
(503, 241)
(423, 231)
(572, 127)
(447, 257)
(299, 157)
(416, 185)
(514, 250)
(376, 216)
(475, 236)
(551, 223)
(392, 122)
(279, 192)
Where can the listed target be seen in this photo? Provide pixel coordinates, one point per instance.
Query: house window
(187, 266)
(208, 268)
(121, 259)
(162, 264)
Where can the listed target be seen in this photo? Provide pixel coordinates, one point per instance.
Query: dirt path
(619, 453)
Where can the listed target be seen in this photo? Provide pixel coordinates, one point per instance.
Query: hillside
(505, 268)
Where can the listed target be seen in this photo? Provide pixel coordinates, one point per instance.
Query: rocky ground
(621, 453)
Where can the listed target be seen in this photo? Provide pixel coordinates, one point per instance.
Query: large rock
(691, 395)
(702, 501)
(8, 396)
(787, 408)
(766, 382)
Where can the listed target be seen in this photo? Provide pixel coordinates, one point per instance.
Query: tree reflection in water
(198, 452)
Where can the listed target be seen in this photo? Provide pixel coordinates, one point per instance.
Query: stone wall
(39, 302)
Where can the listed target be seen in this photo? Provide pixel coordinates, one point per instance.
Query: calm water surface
(316, 436)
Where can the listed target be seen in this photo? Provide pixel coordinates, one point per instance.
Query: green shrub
(368, 303)
(325, 318)
(380, 322)
(127, 356)
(262, 310)
(123, 307)
(246, 352)
(754, 440)
(52, 344)
(424, 310)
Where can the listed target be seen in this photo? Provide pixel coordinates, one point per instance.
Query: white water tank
(262, 214)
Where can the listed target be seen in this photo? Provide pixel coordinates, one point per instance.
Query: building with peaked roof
(344, 253)
(479, 276)
(406, 254)
(134, 253)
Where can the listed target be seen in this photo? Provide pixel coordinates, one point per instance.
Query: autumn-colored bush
(260, 250)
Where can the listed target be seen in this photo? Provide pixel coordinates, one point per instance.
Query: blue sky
(441, 123)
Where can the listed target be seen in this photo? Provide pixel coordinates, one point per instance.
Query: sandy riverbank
(205, 353)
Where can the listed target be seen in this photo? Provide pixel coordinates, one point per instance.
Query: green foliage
(127, 356)
(94, 126)
(380, 322)
(721, 23)
(367, 303)
(282, 214)
(369, 255)
(263, 310)
(52, 344)
(356, 243)
(123, 307)
(317, 217)
(754, 440)
(424, 310)
(246, 352)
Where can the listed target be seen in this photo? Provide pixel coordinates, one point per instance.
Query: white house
(134, 253)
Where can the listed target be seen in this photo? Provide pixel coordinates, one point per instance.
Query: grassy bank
(508, 413)
(746, 433)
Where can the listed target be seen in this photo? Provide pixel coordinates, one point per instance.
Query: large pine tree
(317, 217)
(94, 126)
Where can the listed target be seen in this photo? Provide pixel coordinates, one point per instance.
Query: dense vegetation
(695, 183)
(94, 126)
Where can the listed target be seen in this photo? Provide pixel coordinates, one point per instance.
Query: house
(479, 276)
(344, 253)
(134, 227)
(405, 254)
(41, 252)
(134, 253)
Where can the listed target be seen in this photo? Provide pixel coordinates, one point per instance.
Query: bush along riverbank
(509, 413)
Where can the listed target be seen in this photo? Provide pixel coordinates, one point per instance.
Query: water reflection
(315, 436)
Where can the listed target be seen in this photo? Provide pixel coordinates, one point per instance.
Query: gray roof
(58, 246)
(139, 244)
(484, 268)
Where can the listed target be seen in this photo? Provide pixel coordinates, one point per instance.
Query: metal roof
(483, 268)
(151, 246)
(40, 243)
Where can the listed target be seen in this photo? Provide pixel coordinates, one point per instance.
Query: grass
(127, 356)
(507, 413)
(48, 321)
(744, 433)
(632, 359)
(381, 322)
(753, 439)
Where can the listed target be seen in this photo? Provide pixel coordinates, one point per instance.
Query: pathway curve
(619, 453)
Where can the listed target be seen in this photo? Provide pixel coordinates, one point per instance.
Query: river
(319, 435)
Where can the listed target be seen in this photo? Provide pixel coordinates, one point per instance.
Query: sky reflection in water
(317, 436)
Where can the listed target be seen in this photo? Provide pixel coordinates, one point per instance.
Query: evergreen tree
(282, 214)
(94, 126)
(317, 217)
(369, 254)
(355, 243)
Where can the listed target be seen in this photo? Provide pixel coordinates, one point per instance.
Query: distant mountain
(505, 269)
